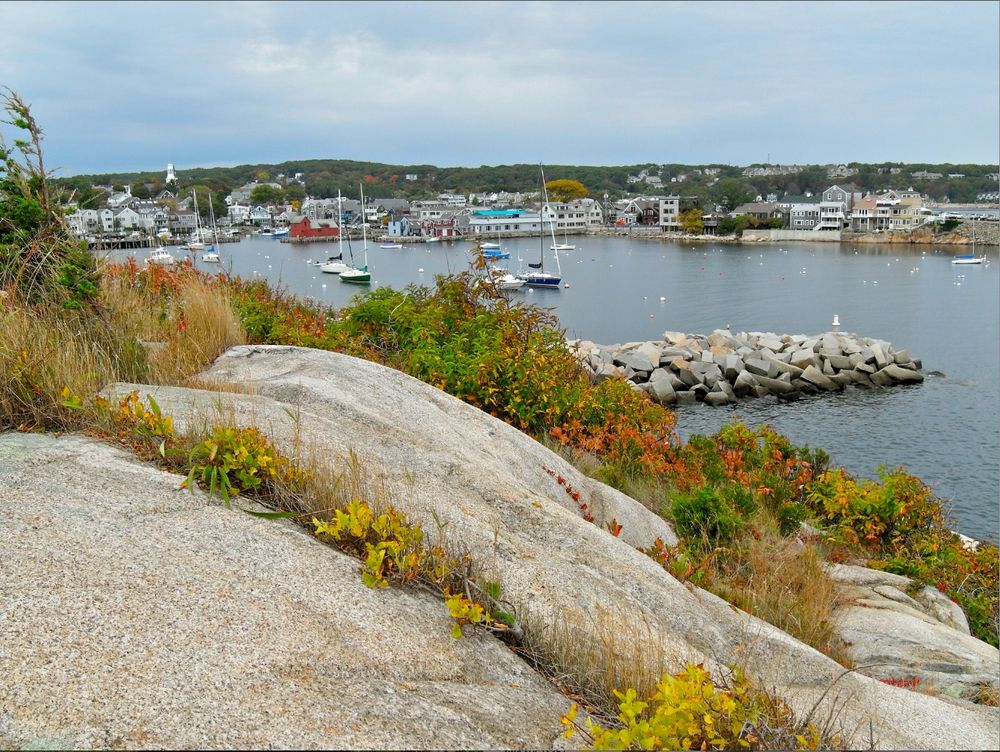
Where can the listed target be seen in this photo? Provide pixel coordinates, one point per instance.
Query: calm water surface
(945, 430)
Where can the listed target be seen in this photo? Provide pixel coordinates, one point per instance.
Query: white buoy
(663, 299)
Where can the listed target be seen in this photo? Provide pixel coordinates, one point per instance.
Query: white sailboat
(335, 264)
(970, 258)
(538, 277)
(357, 276)
(195, 244)
(211, 255)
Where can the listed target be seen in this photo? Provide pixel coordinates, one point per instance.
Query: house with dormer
(260, 215)
(118, 200)
(84, 221)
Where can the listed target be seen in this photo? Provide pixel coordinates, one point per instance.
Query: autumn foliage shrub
(691, 710)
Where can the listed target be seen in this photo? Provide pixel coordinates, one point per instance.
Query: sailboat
(195, 243)
(970, 258)
(538, 277)
(335, 264)
(354, 275)
(211, 255)
(567, 246)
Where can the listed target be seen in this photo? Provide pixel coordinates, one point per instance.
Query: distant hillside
(324, 177)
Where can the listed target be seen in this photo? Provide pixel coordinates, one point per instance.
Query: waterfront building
(84, 221)
(891, 210)
(835, 208)
(239, 214)
(762, 211)
(490, 222)
(668, 211)
(802, 215)
(307, 228)
(126, 219)
(182, 222)
(574, 216)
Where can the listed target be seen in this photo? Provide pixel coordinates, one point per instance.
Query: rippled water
(946, 430)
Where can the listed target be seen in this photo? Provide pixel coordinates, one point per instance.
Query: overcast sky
(132, 86)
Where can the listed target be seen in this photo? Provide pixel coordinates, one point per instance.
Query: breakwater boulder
(722, 367)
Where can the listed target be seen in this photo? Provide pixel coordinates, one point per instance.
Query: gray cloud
(121, 86)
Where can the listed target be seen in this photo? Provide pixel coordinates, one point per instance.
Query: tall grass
(185, 319)
(52, 358)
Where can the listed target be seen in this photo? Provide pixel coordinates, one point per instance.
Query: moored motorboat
(161, 257)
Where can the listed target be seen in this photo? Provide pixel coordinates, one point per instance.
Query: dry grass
(185, 334)
(41, 355)
(589, 656)
(782, 581)
(46, 350)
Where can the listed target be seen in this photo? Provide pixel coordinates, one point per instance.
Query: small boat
(265, 231)
(970, 258)
(391, 245)
(334, 265)
(490, 246)
(562, 247)
(279, 232)
(537, 276)
(358, 275)
(433, 239)
(504, 280)
(495, 253)
(161, 257)
(211, 257)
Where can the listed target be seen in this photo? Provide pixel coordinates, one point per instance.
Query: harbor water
(946, 430)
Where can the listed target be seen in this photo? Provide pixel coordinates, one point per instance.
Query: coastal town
(169, 214)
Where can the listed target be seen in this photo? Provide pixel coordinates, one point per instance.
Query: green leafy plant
(689, 710)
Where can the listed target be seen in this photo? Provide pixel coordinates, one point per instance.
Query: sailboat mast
(541, 221)
(340, 227)
(552, 226)
(364, 222)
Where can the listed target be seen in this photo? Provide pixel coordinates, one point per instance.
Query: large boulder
(921, 639)
(139, 615)
(446, 464)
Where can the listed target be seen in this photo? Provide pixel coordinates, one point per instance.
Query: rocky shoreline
(723, 367)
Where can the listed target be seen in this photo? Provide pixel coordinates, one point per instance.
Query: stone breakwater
(723, 367)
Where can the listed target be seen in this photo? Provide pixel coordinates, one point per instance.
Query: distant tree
(139, 190)
(266, 194)
(691, 221)
(731, 192)
(733, 225)
(263, 176)
(295, 192)
(565, 190)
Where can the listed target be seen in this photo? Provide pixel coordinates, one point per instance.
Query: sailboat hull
(356, 276)
(541, 280)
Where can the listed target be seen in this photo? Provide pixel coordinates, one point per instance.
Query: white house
(575, 215)
(118, 200)
(127, 219)
(107, 218)
(670, 209)
(238, 214)
(84, 221)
